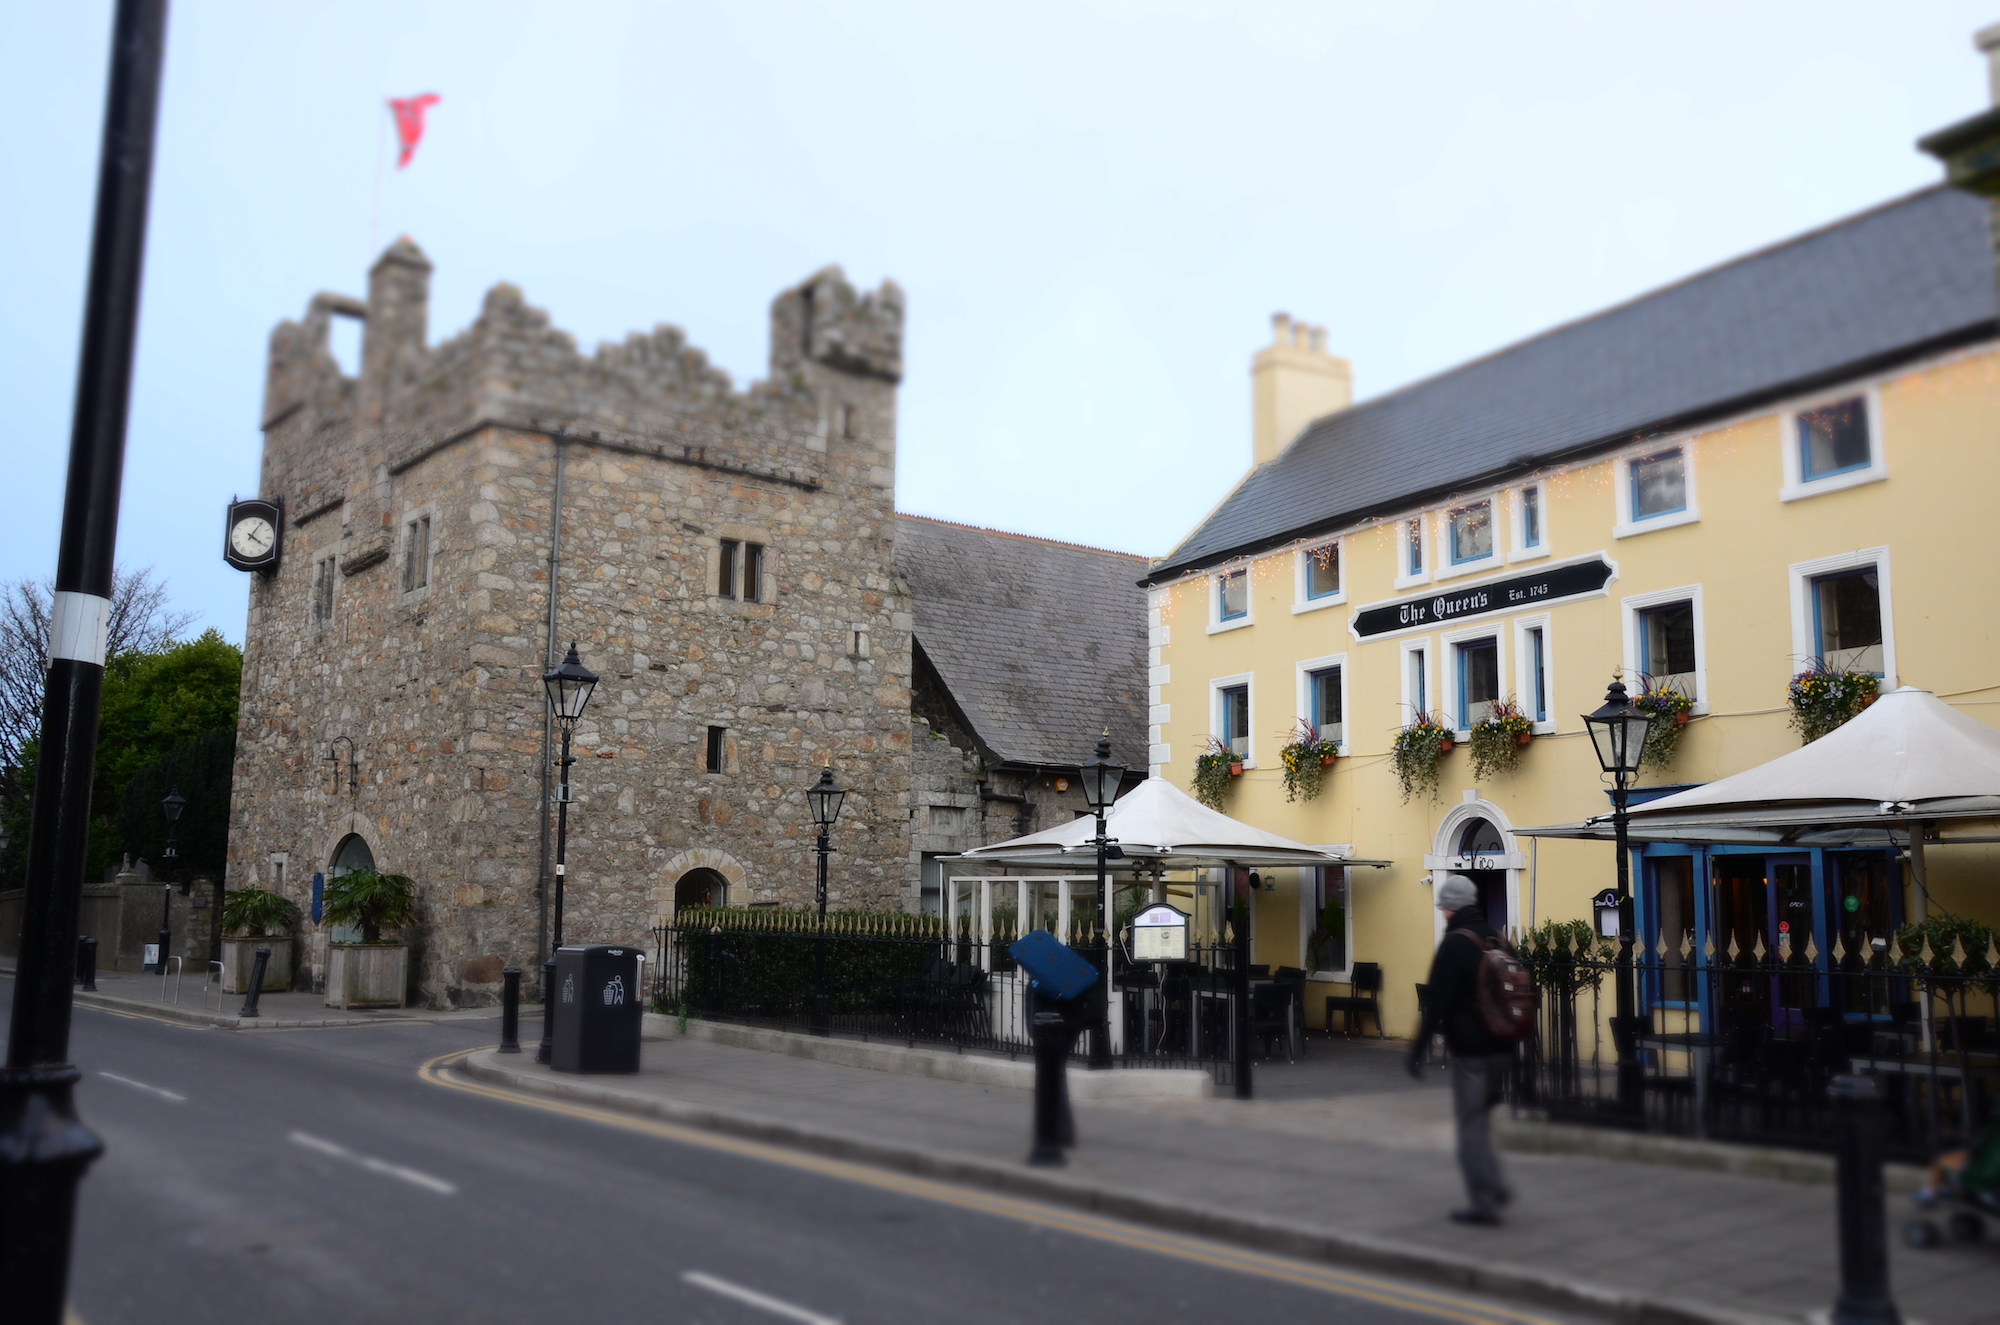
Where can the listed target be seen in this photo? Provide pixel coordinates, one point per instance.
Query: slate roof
(1041, 644)
(1911, 277)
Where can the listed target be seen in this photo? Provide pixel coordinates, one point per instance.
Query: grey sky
(1093, 207)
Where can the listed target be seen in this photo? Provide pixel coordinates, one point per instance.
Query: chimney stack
(1293, 381)
(1988, 42)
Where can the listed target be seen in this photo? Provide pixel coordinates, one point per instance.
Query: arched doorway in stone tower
(352, 854)
(700, 887)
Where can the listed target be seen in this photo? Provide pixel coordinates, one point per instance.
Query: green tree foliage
(200, 771)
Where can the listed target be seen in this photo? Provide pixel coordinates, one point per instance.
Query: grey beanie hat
(1456, 893)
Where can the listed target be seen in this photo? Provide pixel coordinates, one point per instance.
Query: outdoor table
(1697, 1045)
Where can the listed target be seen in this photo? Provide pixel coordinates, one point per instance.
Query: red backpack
(1505, 997)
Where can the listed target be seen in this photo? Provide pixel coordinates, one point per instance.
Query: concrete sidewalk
(1364, 1178)
(199, 1005)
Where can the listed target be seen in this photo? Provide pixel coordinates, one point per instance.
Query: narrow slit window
(1236, 720)
(1419, 700)
(324, 577)
(716, 744)
(416, 554)
(1323, 689)
(1531, 516)
(1413, 548)
(1538, 674)
(847, 421)
(725, 568)
(753, 572)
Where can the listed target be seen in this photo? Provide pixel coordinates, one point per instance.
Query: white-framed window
(1841, 614)
(1413, 560)
(1475, 674)
(1232, 706)
(1535, 665)
(1470, 536)
(1322, 696)
(1655, 488)
(1666, 643)
(1832, 444)
(416, 553)
(1229, 600)
(1321, 576)
(1328, 901)
(1418, 679)
(1530, 521)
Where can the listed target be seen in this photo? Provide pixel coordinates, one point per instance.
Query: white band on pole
(78, 627)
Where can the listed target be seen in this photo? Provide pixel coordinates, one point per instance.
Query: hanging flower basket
(1306, 758)
(1669, 707)
(1212, 774)
(1415, 754)
(1498, 740)
(1824, 698)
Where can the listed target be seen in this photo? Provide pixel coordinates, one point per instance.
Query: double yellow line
(1301, 1274)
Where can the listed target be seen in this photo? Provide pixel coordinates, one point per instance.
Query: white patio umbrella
(1908, 757)
(1157, 822)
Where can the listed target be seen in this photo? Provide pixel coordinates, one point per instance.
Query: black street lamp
(1618, 732)
(569, 688)
(825, 797)
(1101, 776)
(47, 1147)
(171, 805)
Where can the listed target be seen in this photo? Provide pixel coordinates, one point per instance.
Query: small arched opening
(352, 854)
(700, 887)
(1481, 841)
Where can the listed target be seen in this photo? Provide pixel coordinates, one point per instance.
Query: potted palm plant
(371, 973)
(254, 918)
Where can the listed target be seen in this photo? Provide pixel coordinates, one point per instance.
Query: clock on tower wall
(254, 535)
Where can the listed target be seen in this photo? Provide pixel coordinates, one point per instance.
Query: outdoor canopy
(1158, 822)
(1908, 757)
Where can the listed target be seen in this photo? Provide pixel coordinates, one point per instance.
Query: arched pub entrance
(1476, 839)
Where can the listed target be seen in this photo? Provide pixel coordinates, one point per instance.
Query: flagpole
(375, 219)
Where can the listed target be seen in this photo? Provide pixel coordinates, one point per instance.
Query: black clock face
(254, 535)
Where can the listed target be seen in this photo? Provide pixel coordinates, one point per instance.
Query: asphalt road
(314, 1175)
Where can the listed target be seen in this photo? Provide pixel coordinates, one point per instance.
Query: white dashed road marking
(140, 1085)
(750, 1297)
(373, 1165)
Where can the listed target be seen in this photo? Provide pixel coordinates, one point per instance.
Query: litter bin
(599, 1011)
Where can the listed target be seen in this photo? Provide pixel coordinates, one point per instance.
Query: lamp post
(825, 797)
(568, 688)
(1618, 733)
(171, 805)
(1101, 776)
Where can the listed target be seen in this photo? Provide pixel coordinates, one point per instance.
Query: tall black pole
(820, 1025)
(1625, 1028)
(44, 1147)
(544, 1051)
(1100, 1033)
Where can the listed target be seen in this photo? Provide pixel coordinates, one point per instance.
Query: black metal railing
(911, 979)
(1742, 1045)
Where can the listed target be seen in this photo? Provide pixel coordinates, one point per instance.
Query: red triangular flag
(409, 113)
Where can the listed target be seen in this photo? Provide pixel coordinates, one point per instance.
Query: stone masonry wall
(432, 672)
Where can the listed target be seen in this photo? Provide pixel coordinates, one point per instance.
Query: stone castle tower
(457, 514)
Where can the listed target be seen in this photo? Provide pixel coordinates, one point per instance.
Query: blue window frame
(1236, 719)
(1323, 571)
(1478, 680)
(1537, 663)
(1471, 528)
(1659, 483)
(1234, 589)
(1415, 660)
(1323, 695)
(1531, 516)
(1413, 547)
(1666, 640)
(1834, 439)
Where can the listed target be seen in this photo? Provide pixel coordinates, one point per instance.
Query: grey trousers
(1475, 1089)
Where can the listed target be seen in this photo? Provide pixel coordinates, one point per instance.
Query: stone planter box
(367, 975)
(239, 958)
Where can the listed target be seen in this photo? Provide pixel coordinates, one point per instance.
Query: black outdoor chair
(1271, 1016)
(1364, 996)
(1293, 978)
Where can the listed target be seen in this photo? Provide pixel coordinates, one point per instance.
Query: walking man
(1478, 1060)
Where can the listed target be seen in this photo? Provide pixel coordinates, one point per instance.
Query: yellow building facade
(1779, 464)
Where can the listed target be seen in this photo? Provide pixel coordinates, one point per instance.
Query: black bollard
(546, 1050)
(1052, 1041)
(1240, 1000)
(257, 969)
(1864, 1223)
(86, 964)
(510, 1010)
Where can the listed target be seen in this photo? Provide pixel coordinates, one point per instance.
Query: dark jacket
(1451, 999)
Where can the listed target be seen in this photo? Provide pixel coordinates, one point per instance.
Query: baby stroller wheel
(1922, 1234)
(1966, 1226)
